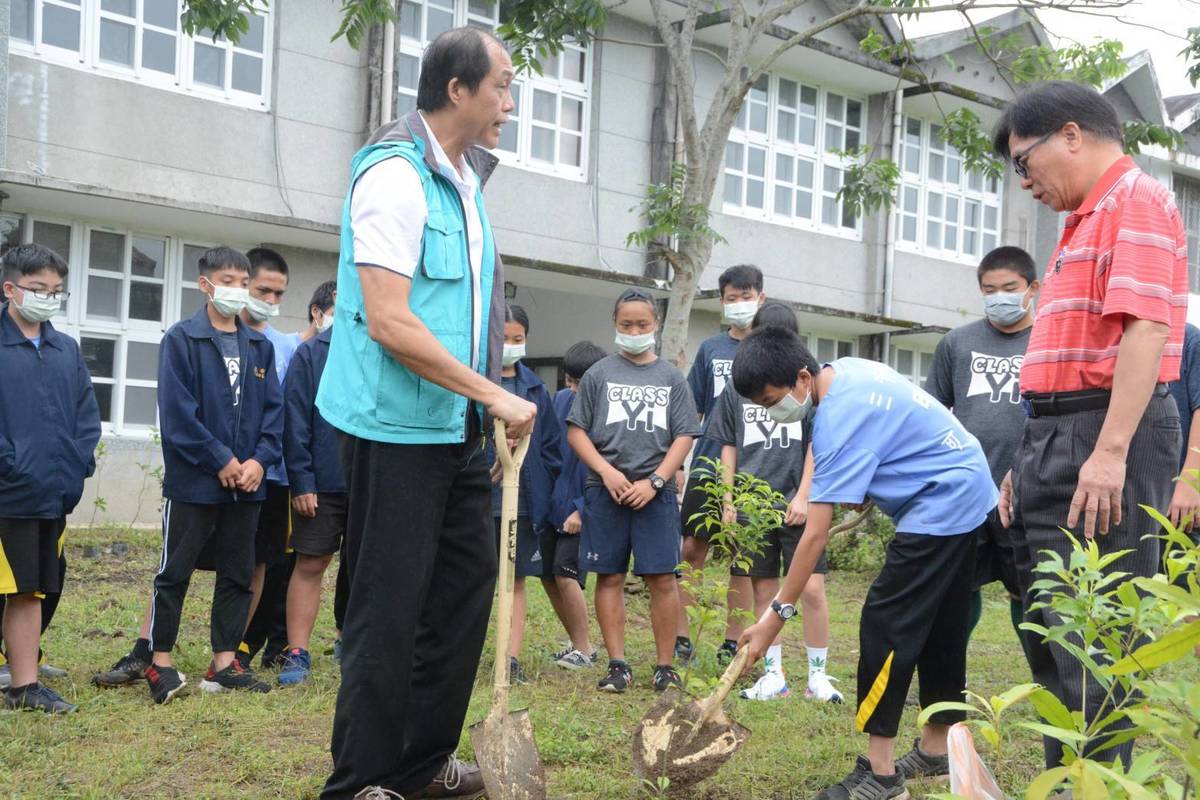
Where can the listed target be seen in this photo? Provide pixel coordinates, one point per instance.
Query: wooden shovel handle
(854, 522)
(712, 704)
(510, 461)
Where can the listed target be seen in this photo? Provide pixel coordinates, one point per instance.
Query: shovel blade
(508, 757)
(667, 743)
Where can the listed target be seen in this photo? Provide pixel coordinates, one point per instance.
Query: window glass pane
(804, 202)
(848, 218)
(733, 155)
(410, 20)
(116, 42)
(852, 139)
(124, 7)
(145, 301)
(808, 101)
(785, 126)
(926, 364)
(512, 129)
(56, 237)
(570, 149)
(970, 240)
(253, 39)
(13, 230)
(829, 211)
(98, 356)
(544, 106)
(989, 217)
(804, 172)
(60, 27)
(543, 144)
(437, 23)
(807, 131)
(754, 193)
(550, 66)
(158, 51)
(21, 21)
(952, 210)
(936, 166)
(191, 261)
(989, 242)
(826, 350)
(845, 349)
(904, 362)
(148, 258)
(833, 137)
(572, 114)
(141, 361)
(247, 73)
(783, 167)
(409, 69)
(975, 181)
(756, 161)
(163, 13)
(933, 233)
(911, 196)
(733, 189)
(787, 93)
(834, 106)
(208, 65)
(935, 205)
(480, 8)
(783, 201)
(190, 301)
(140, 405)
(104, 400)
(573, 65)
(909, 229)
(104, 298)
(758, 117)
(107, 251)
(854, 113)
(407, 102)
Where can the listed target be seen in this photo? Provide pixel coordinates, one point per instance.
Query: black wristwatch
(657, 482)
(785, 610)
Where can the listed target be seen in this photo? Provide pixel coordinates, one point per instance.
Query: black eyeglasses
(42, 294)
(1020, 161)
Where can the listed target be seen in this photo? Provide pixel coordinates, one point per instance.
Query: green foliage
(963, 130)
(667, 215)
(1090, 64)
(868, 185)
(99, 503)
(536, 29)
(217, 18)
(1139, 133)
(359, 15)
(864, 548)
(1191, 53)
(877, 45)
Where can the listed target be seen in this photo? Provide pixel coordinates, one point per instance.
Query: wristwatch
(785, 610)
(657, 482)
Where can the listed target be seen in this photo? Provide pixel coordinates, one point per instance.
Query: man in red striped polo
(1102, 433)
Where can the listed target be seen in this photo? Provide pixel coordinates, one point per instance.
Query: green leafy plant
(149, 471)
(668, 215)
(863, 548)
(868, 185)
(1139, 133)
(99, 503)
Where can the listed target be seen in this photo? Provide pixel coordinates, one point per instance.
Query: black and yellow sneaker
(36, 697)
(233, 678)
(165, 683)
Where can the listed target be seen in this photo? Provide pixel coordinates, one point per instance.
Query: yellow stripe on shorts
(8, 581)
(867, 707)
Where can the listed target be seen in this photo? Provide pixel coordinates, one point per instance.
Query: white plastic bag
(969, 776)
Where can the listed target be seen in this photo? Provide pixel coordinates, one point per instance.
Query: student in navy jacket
(49, 427)
(220, 408)
(538, 475)
(310, 450)
(560, 544)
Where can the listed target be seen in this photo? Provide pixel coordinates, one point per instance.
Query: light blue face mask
(789, 409)
(634, 344)
(1005, 308)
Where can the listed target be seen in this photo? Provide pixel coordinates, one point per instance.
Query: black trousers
(916, 617)
(341, 592)
(267, 630)
(187, 528)
(421, 563)
(1045, 476)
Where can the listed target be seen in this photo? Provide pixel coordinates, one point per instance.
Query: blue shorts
(529, 563)
(613, 532)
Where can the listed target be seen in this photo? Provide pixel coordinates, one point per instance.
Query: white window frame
(818, 153)
(969, 189)
(1187, 198)
(524, 87)
(922, 363)
(843, 346)
(88, 59)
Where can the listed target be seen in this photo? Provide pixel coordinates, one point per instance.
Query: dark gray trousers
(1045, 476)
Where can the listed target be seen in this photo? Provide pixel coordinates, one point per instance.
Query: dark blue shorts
(529, 562)
(613, 532)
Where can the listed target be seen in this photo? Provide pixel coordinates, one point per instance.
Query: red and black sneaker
(165, 683)
(235, 677)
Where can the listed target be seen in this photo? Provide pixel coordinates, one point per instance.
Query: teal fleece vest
(364, 391)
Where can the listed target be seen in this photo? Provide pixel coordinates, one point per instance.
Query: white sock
(816, 660)
(773, 660)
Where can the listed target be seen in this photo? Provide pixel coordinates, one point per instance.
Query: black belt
(1056, 404)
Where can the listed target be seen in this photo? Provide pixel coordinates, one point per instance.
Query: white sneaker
(771, 686)
(820, 687)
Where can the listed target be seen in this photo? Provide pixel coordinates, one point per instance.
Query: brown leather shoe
(457, 779)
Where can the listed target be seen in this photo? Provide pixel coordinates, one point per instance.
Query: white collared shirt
(388, 214)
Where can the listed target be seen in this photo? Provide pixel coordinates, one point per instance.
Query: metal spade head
(668, 743)
(508, 757)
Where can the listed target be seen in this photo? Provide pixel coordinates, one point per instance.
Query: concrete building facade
(130, 147)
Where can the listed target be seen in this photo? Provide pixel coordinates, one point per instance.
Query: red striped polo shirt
(1123, 252)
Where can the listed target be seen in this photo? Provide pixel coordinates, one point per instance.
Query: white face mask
(229, 300)
(789, 409)
(740, 314)
(34, 308)
(261, 310)
(512, 354)
(634, 344)
(326, 321)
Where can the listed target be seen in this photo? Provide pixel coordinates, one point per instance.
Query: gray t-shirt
(228, 342)
(766, 449)
(633, 413)
(976, 373)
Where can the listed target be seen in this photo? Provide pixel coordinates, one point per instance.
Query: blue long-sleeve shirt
(572, 479)
(310, 447)
(544, 460)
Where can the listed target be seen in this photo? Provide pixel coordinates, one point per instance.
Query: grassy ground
(276, 745)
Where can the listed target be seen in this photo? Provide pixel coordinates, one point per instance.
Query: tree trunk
(689, 261)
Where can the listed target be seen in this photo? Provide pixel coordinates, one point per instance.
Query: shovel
(687, 743)
(503, 742)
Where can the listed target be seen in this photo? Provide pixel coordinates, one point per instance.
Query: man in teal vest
(413, 368)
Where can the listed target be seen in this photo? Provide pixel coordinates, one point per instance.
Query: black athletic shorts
(321, 535)
(560, 552)
(274, 525)
(692, 504)
(29, 553)
(778, 547)
(995, 559)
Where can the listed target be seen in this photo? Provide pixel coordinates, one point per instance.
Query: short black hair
(261, 258)
(323, 297)
(1008, 257)
(514, 313)
(28, 259)
(457, 53)
(770, 356)
(777, 314)
(741, 276)
(580, 357)
(221, 257)
(1046, 107)
(634, 295)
